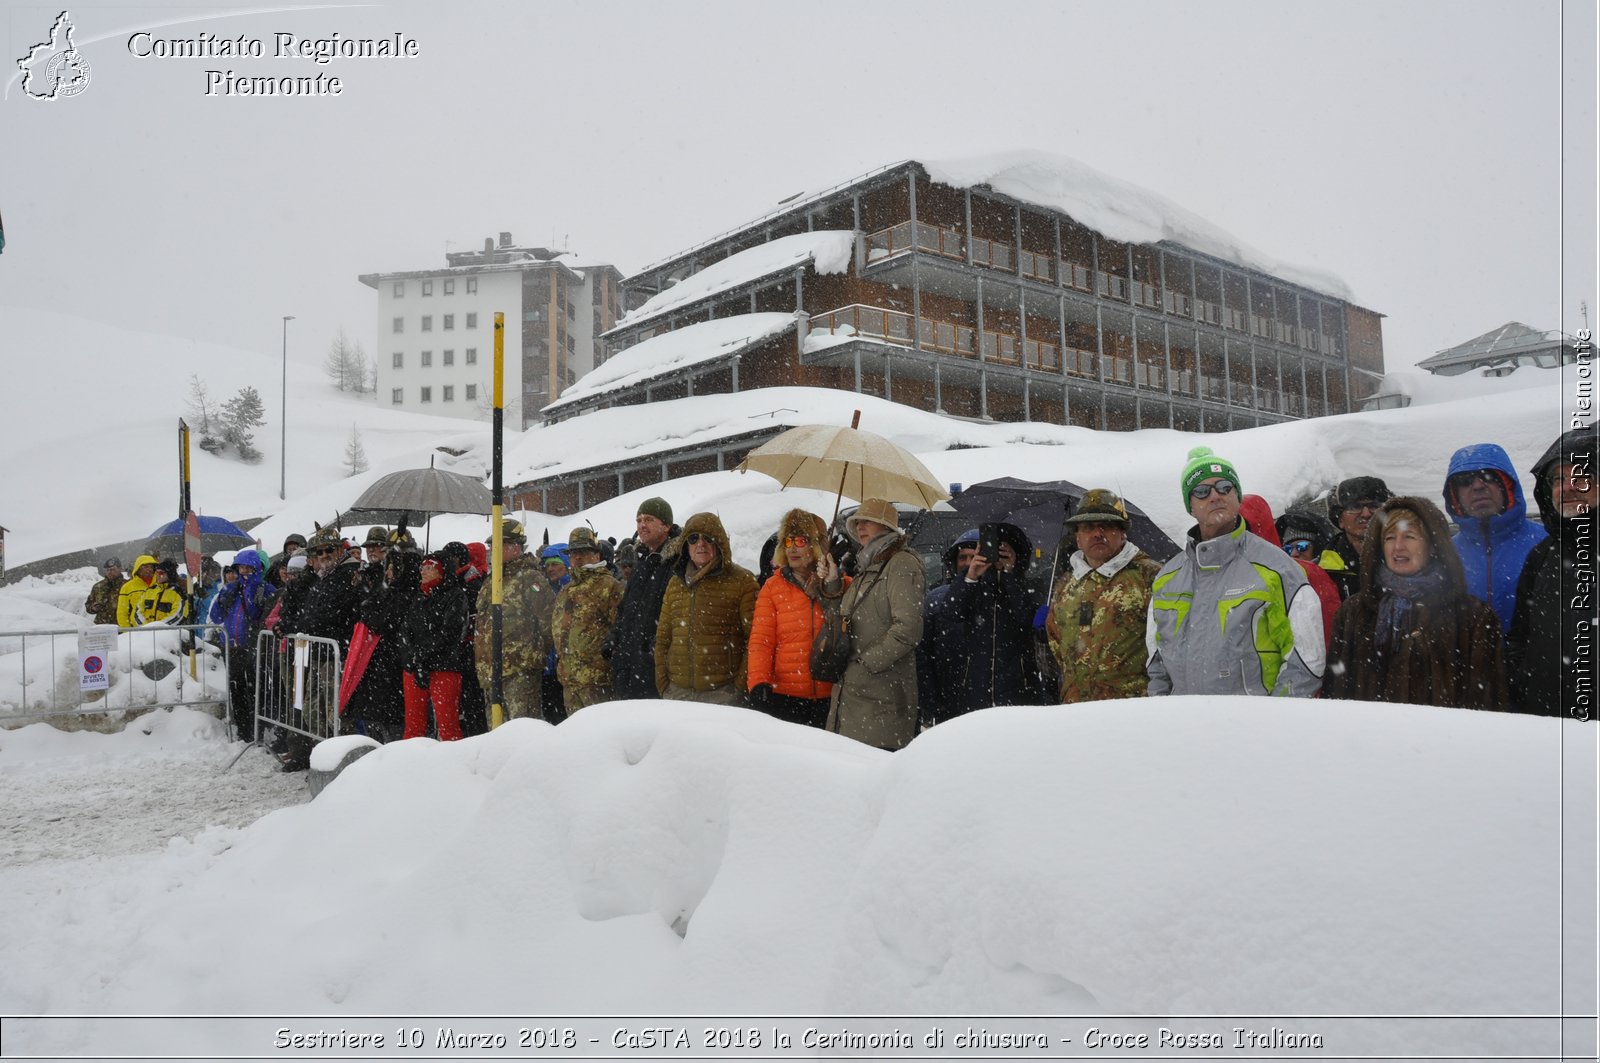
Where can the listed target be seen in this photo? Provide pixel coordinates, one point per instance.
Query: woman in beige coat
(876, 701)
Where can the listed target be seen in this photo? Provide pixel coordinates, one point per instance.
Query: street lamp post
(283, 417)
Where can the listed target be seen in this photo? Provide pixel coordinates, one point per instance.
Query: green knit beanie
(657, 508)
(1202, 466)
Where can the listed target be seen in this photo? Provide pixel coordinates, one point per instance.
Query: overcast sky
(1417, 150)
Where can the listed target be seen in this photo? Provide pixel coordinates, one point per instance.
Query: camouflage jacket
(585, 612)
(102, 602)
(1097, 626)
(526, 605)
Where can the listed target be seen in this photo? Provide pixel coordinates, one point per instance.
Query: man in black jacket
(1551, 649)
(1350, 508)
(632, 645)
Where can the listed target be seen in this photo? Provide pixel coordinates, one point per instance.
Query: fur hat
(801, 522)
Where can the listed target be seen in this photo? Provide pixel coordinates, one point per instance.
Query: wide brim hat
(582, 538)
(876, 510)
(1101, 506)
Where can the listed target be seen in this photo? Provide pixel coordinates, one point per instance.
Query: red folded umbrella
(362, 642)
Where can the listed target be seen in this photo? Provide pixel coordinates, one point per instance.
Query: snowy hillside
(91, 450)
(1182, 856)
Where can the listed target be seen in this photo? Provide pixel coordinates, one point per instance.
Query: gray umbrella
(426, 491)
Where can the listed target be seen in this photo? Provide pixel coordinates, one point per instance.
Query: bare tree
(202, 411)
(355, 455)
(366, 370)
(340, 364)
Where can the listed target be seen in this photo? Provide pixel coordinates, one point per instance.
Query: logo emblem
(55, 69)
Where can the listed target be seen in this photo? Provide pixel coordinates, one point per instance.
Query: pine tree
(241, 415)
(355, 455)
(339, 365)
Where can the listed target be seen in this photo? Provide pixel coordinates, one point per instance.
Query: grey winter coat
(876, 701)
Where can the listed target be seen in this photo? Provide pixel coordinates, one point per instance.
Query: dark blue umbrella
(216, 533)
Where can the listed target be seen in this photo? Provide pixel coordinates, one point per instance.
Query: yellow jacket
(133, 590)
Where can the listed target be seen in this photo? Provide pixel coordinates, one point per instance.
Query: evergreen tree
(241, 416)
(355, 455)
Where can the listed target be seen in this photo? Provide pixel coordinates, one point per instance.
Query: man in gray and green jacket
(1232, 614)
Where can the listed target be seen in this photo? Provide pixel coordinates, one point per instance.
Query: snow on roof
(1502, 343)
(681, 348)
(1113, 207)
(827, 250)
(1116, 208)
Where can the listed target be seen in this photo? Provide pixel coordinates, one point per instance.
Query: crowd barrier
(51, 673)
(297, 685)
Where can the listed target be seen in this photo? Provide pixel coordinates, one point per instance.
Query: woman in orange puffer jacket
(787, 619)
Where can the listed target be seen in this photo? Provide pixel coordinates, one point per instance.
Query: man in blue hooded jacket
(239, 608)
(1484, 497)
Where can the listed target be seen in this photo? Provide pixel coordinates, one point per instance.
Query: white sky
(1417, 150)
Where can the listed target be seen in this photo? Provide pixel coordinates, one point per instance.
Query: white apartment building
(435, 329)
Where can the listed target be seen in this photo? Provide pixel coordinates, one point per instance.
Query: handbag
(830, 647)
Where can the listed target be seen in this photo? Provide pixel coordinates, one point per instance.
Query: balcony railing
(948, 337)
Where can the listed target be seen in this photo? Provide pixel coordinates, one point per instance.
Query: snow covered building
(435, 338)
(1012, 288)
(1501, 350)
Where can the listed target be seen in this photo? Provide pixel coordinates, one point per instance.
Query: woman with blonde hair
(789, 613)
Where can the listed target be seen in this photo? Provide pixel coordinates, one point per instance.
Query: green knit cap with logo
(1203, 465)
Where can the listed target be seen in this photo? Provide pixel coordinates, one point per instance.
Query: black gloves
(761, 696)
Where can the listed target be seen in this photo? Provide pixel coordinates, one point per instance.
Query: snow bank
(678, 349)
(827, 251)
(1159, 857)
(1116, 208)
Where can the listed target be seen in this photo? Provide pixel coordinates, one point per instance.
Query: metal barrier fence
(155, 667)
(297, 685)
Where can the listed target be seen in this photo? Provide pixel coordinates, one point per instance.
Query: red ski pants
(443, 693)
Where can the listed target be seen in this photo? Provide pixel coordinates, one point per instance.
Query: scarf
(1400, 595)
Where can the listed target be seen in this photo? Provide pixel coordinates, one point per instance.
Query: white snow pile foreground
(1177, 856)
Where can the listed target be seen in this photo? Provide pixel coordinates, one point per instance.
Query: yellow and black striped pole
(497, 712)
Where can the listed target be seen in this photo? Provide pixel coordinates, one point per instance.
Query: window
(449, 393)
(399, 289)
(399, 324)
(472, 356)
(397, 396)
(427, 287)
(472, 285)
(449, 321)
(427, 359)
(449, 357)
(449, 287)
(427, 323)
(472, 321)
(472, 392)
(399, 359)
(427, 394)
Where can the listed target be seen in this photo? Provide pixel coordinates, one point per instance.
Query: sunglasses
(797, 541)
(321, 551)
(1297, 546)
(1477, 476)
(696, 539)
(1221, 487)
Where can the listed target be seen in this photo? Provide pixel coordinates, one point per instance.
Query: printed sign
(95, 646)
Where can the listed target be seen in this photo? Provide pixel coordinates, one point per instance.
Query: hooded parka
(1448, 652)
(704, 627)
(1557, 616)
(876, 700)
(1492, 549)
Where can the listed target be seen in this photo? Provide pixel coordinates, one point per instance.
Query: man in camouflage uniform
(526, 604)
(102, 601)
(1097, 615)
(585, 613)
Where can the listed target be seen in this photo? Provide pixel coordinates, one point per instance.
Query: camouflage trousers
(577, 698)
(521, 691)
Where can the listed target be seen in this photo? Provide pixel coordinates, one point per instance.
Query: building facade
(971, 302)
(435, 329)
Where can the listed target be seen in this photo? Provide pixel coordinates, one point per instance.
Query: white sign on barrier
(302, 656)
(95, 645)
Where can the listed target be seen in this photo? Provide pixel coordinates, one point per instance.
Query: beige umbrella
(847, 461)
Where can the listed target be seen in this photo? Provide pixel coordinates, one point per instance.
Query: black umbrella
(1042, 509)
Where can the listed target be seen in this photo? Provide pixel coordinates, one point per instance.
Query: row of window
(398, 395)
(427, 322)
(427, 287)
(427, 358)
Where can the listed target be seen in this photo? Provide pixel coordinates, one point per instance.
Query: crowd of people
(1377, 600)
